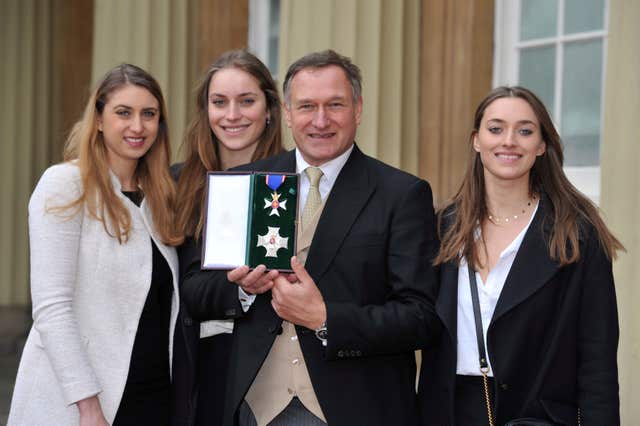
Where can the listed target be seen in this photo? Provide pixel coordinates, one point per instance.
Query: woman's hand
(91, 412)
(257, 281)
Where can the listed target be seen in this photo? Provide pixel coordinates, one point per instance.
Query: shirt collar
(331, 169)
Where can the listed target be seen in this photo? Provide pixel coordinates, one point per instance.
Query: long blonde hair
(85, 144)
(570, 208)
(202, 146)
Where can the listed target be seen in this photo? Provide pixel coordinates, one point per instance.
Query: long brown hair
(570, 208)
(86, 145)
(202, 147)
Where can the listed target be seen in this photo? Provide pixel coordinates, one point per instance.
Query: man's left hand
(298, 302)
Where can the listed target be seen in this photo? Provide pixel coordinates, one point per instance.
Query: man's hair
(323, 59)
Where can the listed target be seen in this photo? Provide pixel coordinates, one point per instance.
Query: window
(264, 31)
(557, 49)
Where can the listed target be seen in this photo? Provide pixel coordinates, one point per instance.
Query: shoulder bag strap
(484, 365)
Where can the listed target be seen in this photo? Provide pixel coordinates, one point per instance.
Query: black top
(146, 395)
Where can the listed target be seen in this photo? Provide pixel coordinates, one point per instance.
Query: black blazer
(370, 258)
(552, 340)
(185, 346)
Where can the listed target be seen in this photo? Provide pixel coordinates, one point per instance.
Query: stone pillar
(456, 71)
(45, 46)
(154, 35)
(620, 197)
(382, 38)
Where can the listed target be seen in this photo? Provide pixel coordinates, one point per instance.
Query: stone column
(382, 38)
(620, 197)
(456, 71)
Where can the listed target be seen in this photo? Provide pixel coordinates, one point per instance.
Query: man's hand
(253, 282)
(298, 302)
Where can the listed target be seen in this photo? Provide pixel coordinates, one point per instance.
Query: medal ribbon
(274, 181)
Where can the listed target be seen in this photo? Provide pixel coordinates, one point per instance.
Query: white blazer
(88, 292)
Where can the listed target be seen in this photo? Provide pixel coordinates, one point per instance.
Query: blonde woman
(104, 270)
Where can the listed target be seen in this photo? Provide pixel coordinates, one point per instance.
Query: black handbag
(484, 365)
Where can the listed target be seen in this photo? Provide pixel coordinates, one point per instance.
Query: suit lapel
(348, 196)
(447, 303)
(532, 267)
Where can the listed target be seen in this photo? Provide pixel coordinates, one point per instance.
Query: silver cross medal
(272, 241)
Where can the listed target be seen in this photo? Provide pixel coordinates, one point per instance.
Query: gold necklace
(497, 220)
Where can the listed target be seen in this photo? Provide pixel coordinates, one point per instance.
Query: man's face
(322, 114)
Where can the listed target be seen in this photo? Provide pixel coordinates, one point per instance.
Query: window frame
(259, 25)
(506, 71)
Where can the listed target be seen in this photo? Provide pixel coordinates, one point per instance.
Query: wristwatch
(321, 333)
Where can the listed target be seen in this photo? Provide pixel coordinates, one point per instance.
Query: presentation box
(250, 219)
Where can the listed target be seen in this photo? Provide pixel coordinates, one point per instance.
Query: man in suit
(334, 342)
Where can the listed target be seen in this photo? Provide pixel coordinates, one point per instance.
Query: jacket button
(504, 386)
(187, 321)
(340, 354)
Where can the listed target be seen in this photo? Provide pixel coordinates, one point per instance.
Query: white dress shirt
(330, 171)
(488, 294)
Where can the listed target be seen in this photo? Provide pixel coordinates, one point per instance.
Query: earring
(268, 120)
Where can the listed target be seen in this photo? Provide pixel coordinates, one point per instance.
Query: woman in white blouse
(544, 330)
(104, 270)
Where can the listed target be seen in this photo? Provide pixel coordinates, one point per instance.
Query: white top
(88, 293)
(330, 171)
(488, 294)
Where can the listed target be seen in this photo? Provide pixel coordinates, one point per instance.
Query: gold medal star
(275, 204)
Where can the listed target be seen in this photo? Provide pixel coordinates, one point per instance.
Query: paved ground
(14, 325)
(8, 368)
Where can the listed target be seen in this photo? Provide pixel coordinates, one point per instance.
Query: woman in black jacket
(236, 121)
(541, 257)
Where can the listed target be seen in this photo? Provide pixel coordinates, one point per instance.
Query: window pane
(583, 15)
(274, 35)
(538, 19)
(581, 102)
(537, 72)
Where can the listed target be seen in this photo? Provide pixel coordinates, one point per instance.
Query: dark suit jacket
(185, 346)
(370, 258)
(552, 339)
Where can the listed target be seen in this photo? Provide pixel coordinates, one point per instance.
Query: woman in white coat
(103, 267)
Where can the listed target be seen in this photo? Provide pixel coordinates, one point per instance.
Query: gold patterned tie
(314, 200)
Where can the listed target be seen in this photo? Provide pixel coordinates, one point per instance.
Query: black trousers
(214, 355)
(470, 402)
(294, 414)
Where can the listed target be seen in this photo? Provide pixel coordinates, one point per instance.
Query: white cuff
(246, 300)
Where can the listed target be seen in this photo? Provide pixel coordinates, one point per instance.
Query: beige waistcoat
(284, 374)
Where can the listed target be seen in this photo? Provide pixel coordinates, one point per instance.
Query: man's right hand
(91, 412)
(257, 281)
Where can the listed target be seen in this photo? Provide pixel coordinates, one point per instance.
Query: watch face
(322, 333)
